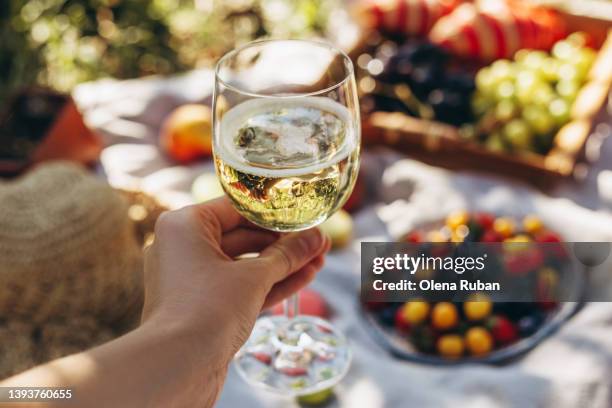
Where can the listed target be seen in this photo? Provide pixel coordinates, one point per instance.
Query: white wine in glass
(286, 148)
(291, 164)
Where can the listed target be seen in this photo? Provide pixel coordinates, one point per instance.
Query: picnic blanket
(570, 369)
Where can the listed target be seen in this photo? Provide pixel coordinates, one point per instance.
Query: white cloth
(571, 369)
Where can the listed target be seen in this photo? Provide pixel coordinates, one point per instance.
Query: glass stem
(291, 306)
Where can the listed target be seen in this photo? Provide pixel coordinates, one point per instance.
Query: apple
(186, 134)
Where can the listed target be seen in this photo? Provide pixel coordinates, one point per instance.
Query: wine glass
(286, 139)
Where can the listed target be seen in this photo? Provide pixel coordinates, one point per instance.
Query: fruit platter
(482, 328)
(503, 85)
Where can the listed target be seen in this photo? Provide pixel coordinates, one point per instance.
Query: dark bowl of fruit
(484, 328)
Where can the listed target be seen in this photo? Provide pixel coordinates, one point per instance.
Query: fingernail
(326, 240)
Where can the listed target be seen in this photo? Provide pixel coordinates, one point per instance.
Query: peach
(186, 134)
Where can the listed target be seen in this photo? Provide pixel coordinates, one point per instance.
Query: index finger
(223, 213)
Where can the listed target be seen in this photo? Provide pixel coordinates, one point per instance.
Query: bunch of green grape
(520, 105)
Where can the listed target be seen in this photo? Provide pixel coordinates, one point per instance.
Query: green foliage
(59, 43)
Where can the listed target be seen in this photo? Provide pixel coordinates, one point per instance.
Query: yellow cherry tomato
(456, 238)
(457, 218)
(548, 277)
(450, 346)
(548, 281)
(478, 341)
(436, 236)
(478, 307)
(532, 224)
(415, 311)
(504, 226)
(444, 316)
(519, 238)
(459, 233)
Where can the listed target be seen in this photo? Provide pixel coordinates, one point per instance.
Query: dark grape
(424, 68)
(423, 80)
(376, 102)
(459, 82)
(424, 338)
(449, 106)
(513, 310)
(528, 325)
(387, 316)
(475, 233)
(425, 53)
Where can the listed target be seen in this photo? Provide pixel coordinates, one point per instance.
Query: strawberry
(293, 371)
(491, 236)
(401, 323)
(323, 329)
(485, 220)
(414, 237)
(547, 236)
(502, 329)
(523, 261)
(261, 356)
(552, 244)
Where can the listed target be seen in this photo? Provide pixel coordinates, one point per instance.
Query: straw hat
(70, 263)
(67, 247)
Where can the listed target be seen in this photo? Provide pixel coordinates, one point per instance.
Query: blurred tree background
(60, 43)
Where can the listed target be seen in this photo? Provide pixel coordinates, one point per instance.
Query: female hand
(200, 306)
(192, 274)
(193, 279)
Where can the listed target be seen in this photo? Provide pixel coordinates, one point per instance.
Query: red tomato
(503, 330)
(485, 220)
(491, 236)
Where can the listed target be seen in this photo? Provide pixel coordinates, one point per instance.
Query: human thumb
(290, 253)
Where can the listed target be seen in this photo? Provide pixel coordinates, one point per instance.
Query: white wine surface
(287, 163)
